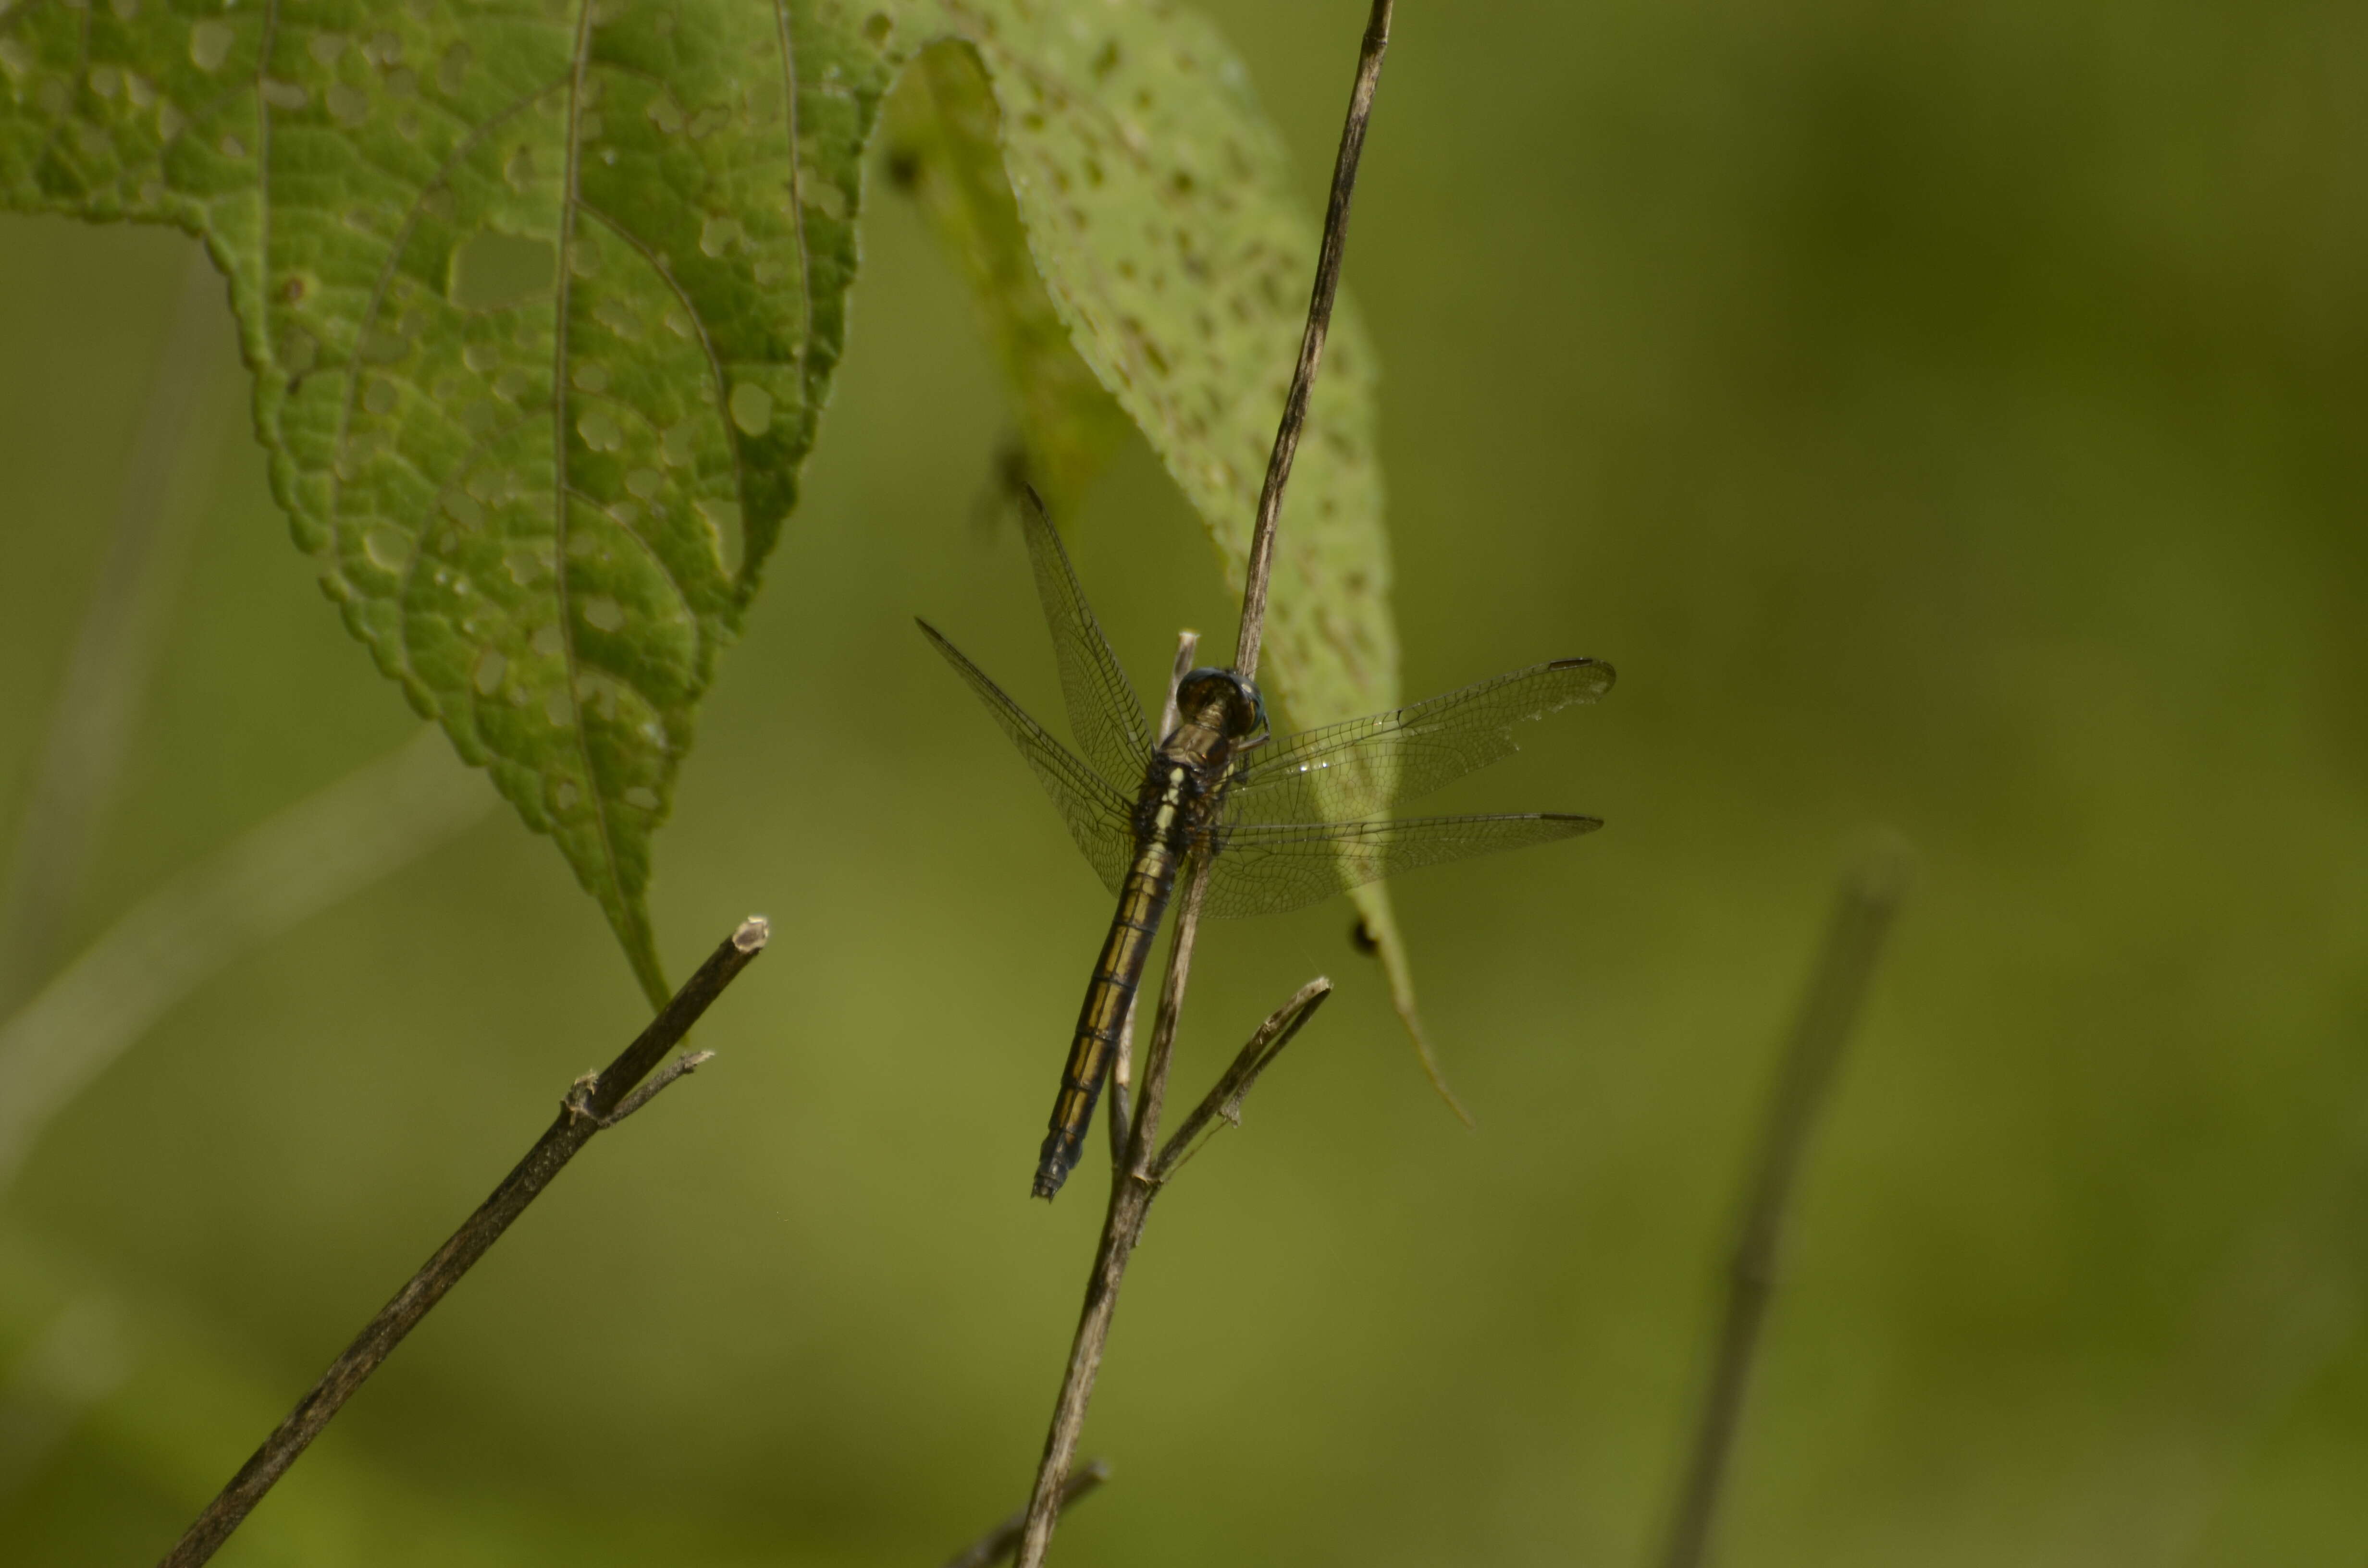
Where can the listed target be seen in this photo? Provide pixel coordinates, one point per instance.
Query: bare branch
(1004, 1539)
(1130, 1204)
(588, 1107)
(1133, 1185)
(1863, 910)
(1311, 343)
(682, 1067)
(1222, 1105)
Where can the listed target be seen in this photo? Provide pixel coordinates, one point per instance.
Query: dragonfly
(1282, 822)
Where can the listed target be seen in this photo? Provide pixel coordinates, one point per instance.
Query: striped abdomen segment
(1108, 998)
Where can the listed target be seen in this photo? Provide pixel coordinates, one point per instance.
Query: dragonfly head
(1245, 710)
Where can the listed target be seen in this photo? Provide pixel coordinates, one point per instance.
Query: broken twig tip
(753, 934)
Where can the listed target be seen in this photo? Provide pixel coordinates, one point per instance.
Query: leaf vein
(571, 178)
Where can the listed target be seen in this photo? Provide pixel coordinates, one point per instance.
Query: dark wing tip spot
(1578, 824)
(1609, 675)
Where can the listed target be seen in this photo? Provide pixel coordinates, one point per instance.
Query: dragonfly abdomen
(1170, 809)
(1109, 997)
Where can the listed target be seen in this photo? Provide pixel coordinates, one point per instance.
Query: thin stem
(682, 1067)
(1004, 1539)
(591, 1104)
(1222, 1105)
(98, 701)
(1311, 342)
(1187, 648)
(1863, 910)
(1133, 1185)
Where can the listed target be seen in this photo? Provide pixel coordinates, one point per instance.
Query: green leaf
(541, 301)
(1163, 222)
(942, 149)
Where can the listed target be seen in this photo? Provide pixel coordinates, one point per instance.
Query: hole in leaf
(752, 408)
(723, 520)
(389, 549)
(210, 44)
(600, 430)
(490, 269)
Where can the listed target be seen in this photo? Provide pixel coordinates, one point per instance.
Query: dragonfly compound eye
(1245, 709)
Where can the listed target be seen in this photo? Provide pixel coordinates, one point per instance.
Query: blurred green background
(1948, 418)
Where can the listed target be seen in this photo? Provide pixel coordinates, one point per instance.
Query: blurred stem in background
(114, 651)
(1866, 904)
(310, 855)
(79, 1357)
(56, 1037)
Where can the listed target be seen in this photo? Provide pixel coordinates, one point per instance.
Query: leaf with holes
(1162, 219)
(942, 150)
(543, 299)
(542, 302)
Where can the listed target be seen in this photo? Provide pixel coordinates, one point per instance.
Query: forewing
(1363, 766)
(1105, 715)
(1096, 815)
(1268, 868)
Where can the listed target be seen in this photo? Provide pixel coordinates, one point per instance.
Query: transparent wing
(1097, 816)
(1268, 868)
(1363, 766)
(1105, 715)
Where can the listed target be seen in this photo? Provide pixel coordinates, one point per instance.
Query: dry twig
(595, 1101)
(1222, 1105)
(1133, 1181)
(1004, 1539)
